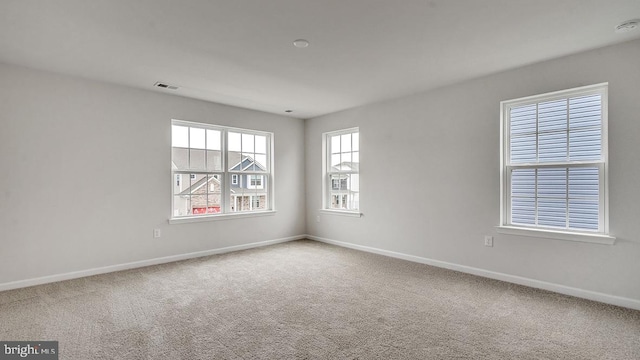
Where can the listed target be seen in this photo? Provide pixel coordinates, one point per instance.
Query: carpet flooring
(309, 300)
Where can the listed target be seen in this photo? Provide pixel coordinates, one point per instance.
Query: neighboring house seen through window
(554, 173)
(227, 176)
(342, 172)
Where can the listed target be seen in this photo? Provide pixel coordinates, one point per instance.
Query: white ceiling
(240, 52)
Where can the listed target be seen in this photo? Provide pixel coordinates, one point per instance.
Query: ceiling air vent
(165, 86)
(628, 26)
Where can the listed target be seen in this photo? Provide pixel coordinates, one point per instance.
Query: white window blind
(555, 160)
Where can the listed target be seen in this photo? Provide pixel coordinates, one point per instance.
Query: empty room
(320, 179)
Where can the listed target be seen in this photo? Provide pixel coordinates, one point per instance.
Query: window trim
(341, 212)
(327, 182)
(225, 195)
(601, 236)
(556, 234)
(231, 216)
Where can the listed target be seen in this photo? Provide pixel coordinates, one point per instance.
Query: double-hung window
(219, 170)
(554, 162)
(342, 170)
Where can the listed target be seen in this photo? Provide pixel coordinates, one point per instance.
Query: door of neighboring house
(236, 203)
(240, 203)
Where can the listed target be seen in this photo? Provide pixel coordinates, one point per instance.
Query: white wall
(113, 143)
(449, 138)
(86, 175)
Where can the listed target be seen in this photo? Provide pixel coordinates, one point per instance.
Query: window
(228, 170)
(336, 184)
(255, 182)
(342, 170)
(554, 161)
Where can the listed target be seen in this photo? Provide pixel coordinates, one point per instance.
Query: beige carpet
(308, 300)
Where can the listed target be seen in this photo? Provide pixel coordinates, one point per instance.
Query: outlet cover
(488, 241)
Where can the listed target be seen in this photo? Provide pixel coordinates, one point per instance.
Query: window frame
(602, 235)
(227, 175)
(327, 181)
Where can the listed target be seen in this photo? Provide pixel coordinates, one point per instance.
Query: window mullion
(206, 150)
(535, 194)
(602, 225)
(566, 155)
(535, 171)
(189, 148)
(567, 129)
(537, 132)
(566, 195)
(226, 177)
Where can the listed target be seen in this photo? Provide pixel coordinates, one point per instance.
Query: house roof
(200, 183)
(351, 166)
(247, 164)
(234, 158)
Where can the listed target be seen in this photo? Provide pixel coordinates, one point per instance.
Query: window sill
(194, 219)
(341, 213)
(557, 235)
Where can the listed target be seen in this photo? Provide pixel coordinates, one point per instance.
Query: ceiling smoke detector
(165, 86)
(628, 26)
(300, 43)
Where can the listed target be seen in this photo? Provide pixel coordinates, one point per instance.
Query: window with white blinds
(555, 161)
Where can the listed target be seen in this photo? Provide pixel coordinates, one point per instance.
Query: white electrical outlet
(157, 233)
(488, 241)
(318, 218)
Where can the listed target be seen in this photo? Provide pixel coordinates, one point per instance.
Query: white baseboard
(137, 264)
(585, 294)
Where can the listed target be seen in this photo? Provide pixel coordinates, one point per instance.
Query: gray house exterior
(201, 193)
(248, 191)
(344, 188)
